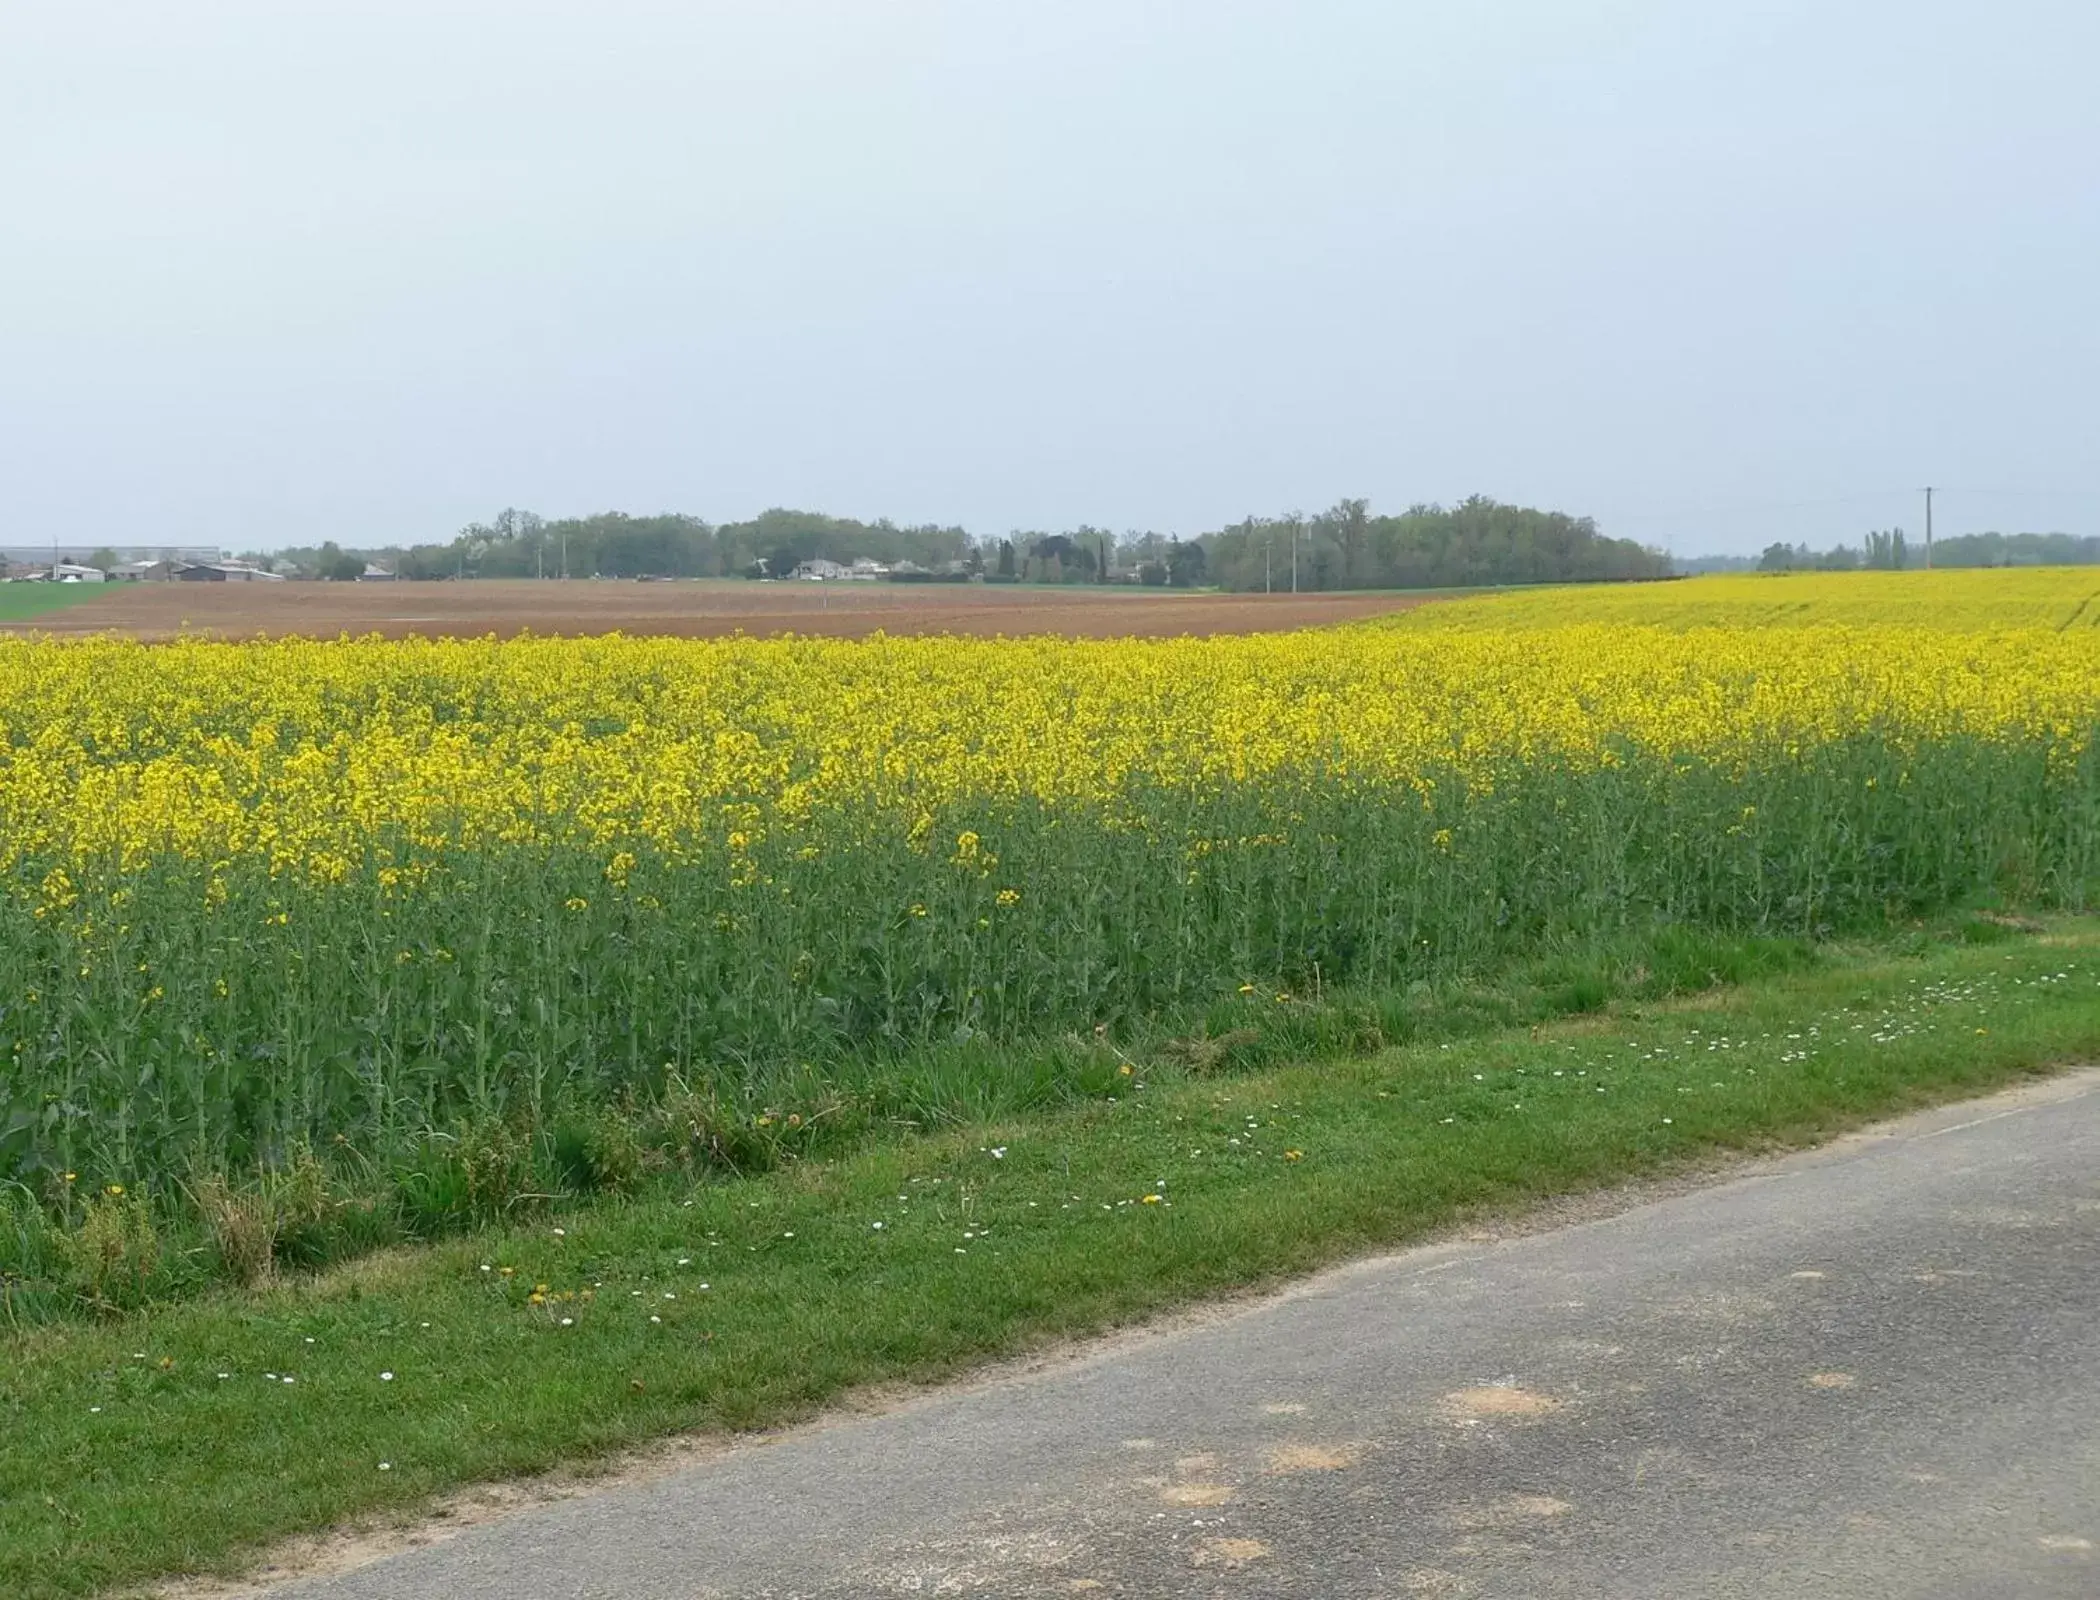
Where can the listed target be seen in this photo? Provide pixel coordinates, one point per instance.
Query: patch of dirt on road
(1230, 1554)
(1498, 1400)
(1196, 1494)
(1313, 1458)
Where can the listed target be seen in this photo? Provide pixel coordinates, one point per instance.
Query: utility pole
(1928, 527)
(1294, 555)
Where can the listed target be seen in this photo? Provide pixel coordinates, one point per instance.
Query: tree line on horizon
(1892, 551)
(612, 544)
(1477, 542)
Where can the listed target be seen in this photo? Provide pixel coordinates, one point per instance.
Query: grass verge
(177, 1439)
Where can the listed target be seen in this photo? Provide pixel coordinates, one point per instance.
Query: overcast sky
(1714, 272)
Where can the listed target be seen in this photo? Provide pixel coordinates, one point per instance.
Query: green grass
(21, 601)
(160, 1442)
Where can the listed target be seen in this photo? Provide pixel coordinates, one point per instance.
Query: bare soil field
(698, 609)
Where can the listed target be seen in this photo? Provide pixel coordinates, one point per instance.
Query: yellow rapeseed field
(1956, 601)
(279, 896)
(316, 755)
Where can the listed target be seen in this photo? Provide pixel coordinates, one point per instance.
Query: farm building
(226, 572)
(863, 570)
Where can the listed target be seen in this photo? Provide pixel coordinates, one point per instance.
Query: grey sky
(273, 271)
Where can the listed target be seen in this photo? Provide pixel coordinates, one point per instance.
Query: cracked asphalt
(1870, 1370)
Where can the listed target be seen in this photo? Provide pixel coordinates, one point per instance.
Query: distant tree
(103, 560)
(1006, 558)
(337, 564)
(1089, 559)
(1134, 549)
(1185, 564)
(1050, 553)
(426, 562)
(512, 544)
(1351, 522)
(1885, 551)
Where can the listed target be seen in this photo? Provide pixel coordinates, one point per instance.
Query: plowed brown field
(688, 610)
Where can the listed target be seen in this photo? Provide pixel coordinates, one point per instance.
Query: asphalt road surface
(1873, 1370)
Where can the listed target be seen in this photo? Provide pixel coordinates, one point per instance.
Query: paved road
(1869, 1371)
